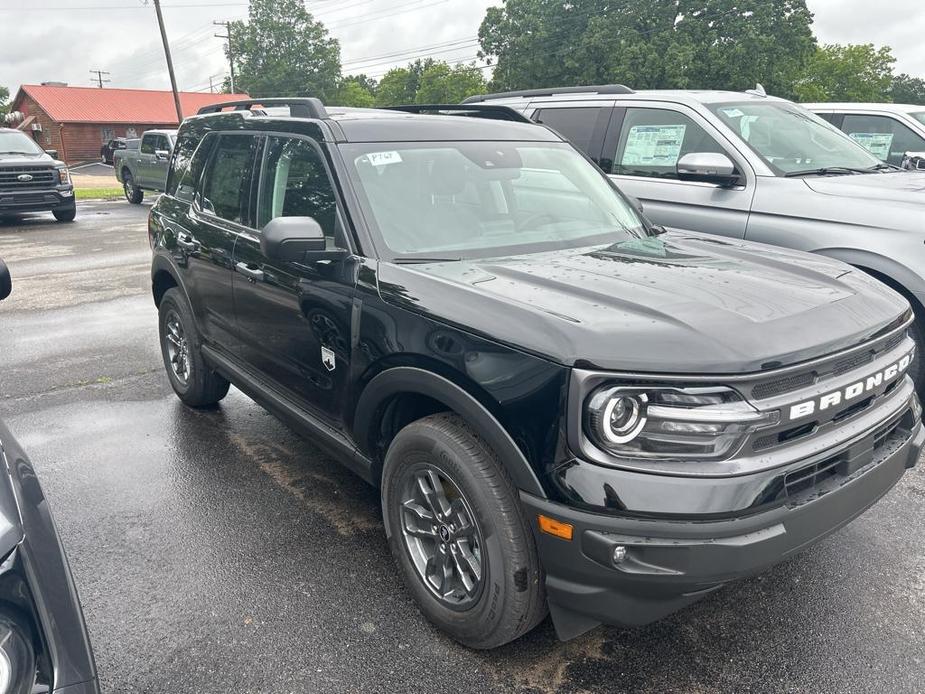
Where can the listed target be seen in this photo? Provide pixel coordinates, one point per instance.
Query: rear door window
(582, 126)
(653, 139)
(226, 186)
(884, 137)
(147, 144)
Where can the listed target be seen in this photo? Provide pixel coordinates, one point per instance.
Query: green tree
(400, 84)
(4, 101)
(722, 44)
(907, 89)
(858, 72)
(280, 50)
(442, 84)
(355, 90)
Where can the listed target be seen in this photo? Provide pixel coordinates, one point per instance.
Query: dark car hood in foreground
(898, 186)
(675, 303)
(11, 532)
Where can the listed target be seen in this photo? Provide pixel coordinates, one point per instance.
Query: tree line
(281, 50)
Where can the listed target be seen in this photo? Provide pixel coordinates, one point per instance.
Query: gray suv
(750, 166)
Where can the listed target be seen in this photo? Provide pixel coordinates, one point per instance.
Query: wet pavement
(219, 552)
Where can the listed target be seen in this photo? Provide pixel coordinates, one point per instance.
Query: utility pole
(99, 77)
(211, 86)
(173, 79)
(227, 37)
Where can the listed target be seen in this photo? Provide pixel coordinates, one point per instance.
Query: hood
(898, 186)
(674, 303)
(11, 531)
(19, 159)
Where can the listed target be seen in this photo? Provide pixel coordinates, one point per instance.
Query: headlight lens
(64, 177)
(671, 423)
(17, 660)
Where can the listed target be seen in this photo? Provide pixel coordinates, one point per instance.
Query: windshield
(453, 200)
(920, 116)
(18, 143)
(790, 138)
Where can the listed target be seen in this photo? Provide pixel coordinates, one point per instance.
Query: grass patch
(97, 193)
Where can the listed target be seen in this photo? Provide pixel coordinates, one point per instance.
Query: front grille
(784, 385)
(853, 362)
(41, 177)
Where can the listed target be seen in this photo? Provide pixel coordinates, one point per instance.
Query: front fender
(404, 379)
(904, 277)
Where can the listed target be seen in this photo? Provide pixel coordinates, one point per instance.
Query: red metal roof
(135, 106)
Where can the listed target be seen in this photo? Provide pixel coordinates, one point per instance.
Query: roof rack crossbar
(299, 107)
(492, 111)
(589, 89)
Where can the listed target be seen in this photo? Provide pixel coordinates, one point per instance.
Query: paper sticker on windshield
(877, 144)
(731, 112)
(653, 145)
(383, 158)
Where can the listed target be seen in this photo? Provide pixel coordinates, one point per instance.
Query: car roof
(384, 125)
(893, 108)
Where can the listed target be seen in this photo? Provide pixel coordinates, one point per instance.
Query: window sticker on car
(877, 144)
(653, 145)
(383, 158)
(731, 112)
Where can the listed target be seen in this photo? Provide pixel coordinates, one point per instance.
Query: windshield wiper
(884, 167)
(827, 170)
(414, 261)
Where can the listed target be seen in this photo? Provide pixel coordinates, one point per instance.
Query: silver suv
(747, 165)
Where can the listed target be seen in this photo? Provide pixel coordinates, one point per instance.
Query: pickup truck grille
(23, 177)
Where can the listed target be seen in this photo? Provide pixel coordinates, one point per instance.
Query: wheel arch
(164, 277)
(431, 392)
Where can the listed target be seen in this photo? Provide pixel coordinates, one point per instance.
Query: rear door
(145, 158)
(295, 318)
(641, 151)
(217, 216)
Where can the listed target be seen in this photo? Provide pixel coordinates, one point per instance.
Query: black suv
(32, 180)
(562, 404)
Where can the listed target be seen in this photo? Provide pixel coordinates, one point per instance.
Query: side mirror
(161, 154)
(290, 238)
(708, 167)
(6, 282)
(53, 153)
(914, 161)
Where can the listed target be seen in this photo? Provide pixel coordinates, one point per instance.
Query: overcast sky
(44, 40)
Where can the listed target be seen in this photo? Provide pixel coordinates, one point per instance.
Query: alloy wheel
(177, 347)
(442, 536)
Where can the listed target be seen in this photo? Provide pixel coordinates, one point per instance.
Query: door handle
(187, 243)
(252, 274)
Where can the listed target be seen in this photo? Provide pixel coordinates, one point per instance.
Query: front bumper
(37, 200)
(670, 563)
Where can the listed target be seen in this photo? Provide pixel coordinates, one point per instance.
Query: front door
(644, 145)
(294, 319)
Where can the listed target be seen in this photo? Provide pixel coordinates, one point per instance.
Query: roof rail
(492, 111)
(591, 89)
(299, 107)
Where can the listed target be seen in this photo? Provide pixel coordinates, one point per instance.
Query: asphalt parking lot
(218, 552)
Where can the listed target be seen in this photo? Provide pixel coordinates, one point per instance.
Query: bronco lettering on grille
(836, 397)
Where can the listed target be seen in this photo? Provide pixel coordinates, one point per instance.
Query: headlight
(699, 423)
(64, 176)
(17, 660)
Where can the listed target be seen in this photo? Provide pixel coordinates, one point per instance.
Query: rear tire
(437, 457)
(192, 380)
(66, 215)
(133, 193)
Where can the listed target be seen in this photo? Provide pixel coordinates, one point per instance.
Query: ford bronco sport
(564, 406)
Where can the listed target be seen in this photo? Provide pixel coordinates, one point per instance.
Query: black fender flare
(404, 379)
(160, 263)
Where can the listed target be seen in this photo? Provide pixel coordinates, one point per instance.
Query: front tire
(66, 215)
(193, 382)
(133, 193)
(457, 531)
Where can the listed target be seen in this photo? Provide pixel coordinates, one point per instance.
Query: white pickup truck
(143, 164)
